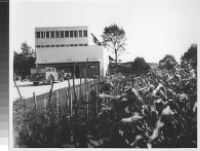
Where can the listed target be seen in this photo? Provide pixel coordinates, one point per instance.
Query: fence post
(74, 82)
(68, 100)
(50, 93)
(35, 101)
(68, 92)
(77, 90)
(45, 104)
(80, 87)
(71, 105)
(57, 101)
(20, 95)
(71, 114)
(45, 108)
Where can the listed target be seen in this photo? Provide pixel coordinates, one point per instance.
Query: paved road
(27, 88)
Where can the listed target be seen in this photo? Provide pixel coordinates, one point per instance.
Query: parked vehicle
(68, 75)
(46, 75)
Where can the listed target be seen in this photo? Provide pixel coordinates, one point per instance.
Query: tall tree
(190, 57)
(26, 49)
(24, 61)
(114, 39)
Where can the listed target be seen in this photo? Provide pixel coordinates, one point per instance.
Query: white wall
(74, 54)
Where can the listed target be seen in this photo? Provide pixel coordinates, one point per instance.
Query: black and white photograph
(104, 73)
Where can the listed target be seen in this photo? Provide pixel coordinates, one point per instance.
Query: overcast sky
(153, 28)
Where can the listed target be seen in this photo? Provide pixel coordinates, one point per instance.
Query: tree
(168, 62)
(26, 49)
(114, 38)
(139, 66)
(24, 61)
(190, 57)
(23, 64)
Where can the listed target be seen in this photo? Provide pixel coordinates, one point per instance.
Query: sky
(154, 28)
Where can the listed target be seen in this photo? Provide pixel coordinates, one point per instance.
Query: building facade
(63, 47)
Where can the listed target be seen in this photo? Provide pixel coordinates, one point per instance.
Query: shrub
(190, 57)
(139, 66)
(168, 62)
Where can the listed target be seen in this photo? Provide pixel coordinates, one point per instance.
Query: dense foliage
(24, 61)
(23, 64)
(139, 66)
(190, 57)
(168, 62)
(158, 109)
(44, 129)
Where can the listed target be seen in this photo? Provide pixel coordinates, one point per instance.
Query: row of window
(67, 45)
(61, 34)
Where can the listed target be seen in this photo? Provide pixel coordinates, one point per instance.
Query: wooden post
(80, 87)
(57, 101)
(88, 90)
(50, 93)
(77, 90)
(68, 92)
(45, 108)
(35, 101)
(97, 106)
(68, 100)
(74, 82)
(71, 105)
(96, 89)
(71, 115)
(20, 95)
(45, 105)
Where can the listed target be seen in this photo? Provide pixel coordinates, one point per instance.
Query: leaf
(131, 119)
(167, 111)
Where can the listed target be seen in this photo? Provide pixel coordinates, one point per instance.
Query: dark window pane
(66, 33)
(62, 34)
(75, 33)
(80, 33)
(71, 33)
(47, 34)
(42, 34)
(71, 45)
(57, 34)
(85, 44)
(85, 33)
(37, 34)
(52, 34)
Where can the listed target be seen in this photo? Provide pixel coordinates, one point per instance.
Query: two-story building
(62, 47)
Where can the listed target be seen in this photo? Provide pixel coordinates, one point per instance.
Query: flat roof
(61, 28)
